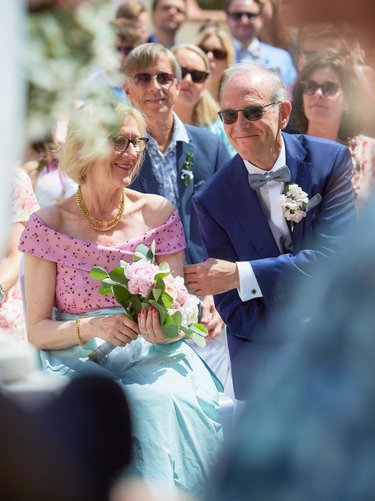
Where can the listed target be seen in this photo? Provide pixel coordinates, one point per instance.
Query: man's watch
(3, 294)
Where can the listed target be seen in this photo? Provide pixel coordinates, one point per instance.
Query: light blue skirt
(173, 399)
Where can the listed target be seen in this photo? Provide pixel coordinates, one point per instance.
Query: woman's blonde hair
(210, 29)
(205, 110)
(88, 137)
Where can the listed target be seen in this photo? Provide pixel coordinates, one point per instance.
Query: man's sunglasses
(197, 76)
(217, 53)
(328, 88)
(251, 113)
(237, 16)
(162, 78)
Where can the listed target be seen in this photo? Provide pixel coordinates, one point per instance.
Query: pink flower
(141, 277)
(175, 287)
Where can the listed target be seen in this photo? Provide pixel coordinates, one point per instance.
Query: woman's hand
(149, 326)
(117, 329)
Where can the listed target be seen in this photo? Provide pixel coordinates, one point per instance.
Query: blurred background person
(327, 103)
(275, 31)
(216, 42)
(194, 104)
(135, 11)
(50, 184)
(245, 24)
(23, 203)
(167, 18)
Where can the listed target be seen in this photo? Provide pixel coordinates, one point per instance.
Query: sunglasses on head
(237, 16)
(251, 113)
(162, 78)
(328, 88)
(197, 76)
(217, 53)
(122, 143)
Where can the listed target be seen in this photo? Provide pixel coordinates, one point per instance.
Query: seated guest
(167, 17)
(11, 310)
(245, 22)
(215, 41)
(135, 11)
(194, 104)
(327, 103)
(172, 395)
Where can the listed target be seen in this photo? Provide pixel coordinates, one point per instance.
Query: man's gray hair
(147, 55)
(279, 90)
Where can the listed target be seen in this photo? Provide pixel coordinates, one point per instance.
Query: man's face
(169, 15)
(258, 141)
(156, 96)
(244, 20)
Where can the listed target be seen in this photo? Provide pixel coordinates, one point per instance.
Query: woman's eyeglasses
(121, 143)
(328, 88)
(251, 113)
(144, 79)
(197, 76)
(217, 53)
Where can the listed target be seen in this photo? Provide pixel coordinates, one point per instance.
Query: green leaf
(169, 329)
(156, 293)
(199, 329)
(140, 252)
(177, 318)
(104, 289)
(199, 340)
(137, 305)
(166, 300)
(122, 295)
(163, 313)
(117, 275)
(159, 284)
(123, 264)
(98, 273)
(108, 281)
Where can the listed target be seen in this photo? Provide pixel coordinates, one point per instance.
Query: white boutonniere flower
(294, 203)
(187, 169)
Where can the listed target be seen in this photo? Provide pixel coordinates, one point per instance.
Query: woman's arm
(44, 333)
(175, 261)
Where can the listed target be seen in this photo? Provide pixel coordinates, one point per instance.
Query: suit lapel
(244, 204)
(147, 179)
(185, 191)
(300, 175)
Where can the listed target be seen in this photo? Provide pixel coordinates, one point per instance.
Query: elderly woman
(194, 104)
(172, 394)
(215, 41)
(327, 103)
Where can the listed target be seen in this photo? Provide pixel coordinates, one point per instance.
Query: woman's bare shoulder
(156, 209)
(55, 215)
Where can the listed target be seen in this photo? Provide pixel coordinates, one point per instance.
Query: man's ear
(127, 91)
(285, 111)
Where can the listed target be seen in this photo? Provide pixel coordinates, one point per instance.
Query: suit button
(253, 291)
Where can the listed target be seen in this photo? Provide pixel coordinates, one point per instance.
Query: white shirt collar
(280, 162)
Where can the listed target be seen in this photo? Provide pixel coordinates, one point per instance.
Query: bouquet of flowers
(144, 283)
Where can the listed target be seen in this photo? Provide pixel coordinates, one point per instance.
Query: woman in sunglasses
(194, 104)
(215, 41)
(328, 103)
(173, 396)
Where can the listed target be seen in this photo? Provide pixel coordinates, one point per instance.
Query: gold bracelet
(77, 333)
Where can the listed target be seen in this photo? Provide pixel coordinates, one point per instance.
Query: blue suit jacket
(209, 154)
(234, 227)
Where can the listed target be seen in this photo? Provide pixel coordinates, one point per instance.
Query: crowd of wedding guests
(185, 122)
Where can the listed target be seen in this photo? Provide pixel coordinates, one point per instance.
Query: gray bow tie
(257, 180)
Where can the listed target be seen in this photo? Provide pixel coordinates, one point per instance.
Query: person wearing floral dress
(328, 102)
(23, 203)
(173, 396)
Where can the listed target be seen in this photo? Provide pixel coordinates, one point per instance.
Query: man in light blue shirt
(244, 21)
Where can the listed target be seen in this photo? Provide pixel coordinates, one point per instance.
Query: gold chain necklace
(94, 223)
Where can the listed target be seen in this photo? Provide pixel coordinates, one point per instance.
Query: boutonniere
(187, 169)
(294, 203)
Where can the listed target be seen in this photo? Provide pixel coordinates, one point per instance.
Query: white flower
(190, 312)
(294, 202)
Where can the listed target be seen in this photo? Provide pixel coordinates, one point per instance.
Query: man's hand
(214, 276)
(210, 318)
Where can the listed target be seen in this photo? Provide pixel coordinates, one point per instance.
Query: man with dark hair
(167, 16)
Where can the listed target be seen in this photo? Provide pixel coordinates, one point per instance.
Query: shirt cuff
(249, 287)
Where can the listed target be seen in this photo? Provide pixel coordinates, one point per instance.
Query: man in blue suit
(179, 158)
(255, 244)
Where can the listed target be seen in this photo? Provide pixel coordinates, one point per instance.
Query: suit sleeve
(331, 224)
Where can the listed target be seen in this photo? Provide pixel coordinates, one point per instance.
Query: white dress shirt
(270, 200)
